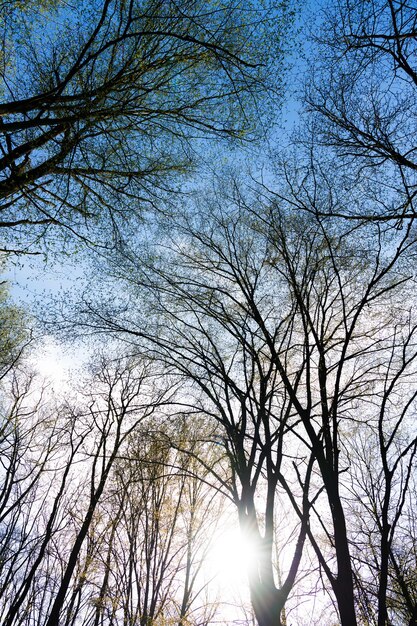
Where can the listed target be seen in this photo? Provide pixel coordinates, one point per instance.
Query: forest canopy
(251, 331)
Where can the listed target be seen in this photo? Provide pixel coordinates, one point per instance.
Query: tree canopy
(257, 333)
(102, 101)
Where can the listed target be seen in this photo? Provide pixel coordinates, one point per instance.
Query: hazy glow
(52, 364)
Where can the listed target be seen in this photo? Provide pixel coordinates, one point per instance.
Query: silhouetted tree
(361, 98)
(291, 334)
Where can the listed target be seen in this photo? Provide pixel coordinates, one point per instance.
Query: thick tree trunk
(343, 586)
(346, 607)
(267, 604)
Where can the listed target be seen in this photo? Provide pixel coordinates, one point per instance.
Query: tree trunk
(267, 604)
(343, 587)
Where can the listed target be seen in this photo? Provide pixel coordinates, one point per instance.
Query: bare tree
(162, 519)
(362, 93)
(122, 401)
(292, 336)
(384, 484)
(206, 333)
(105, 518)
(38, 452)
(57, 461)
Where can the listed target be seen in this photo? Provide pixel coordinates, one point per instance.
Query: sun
(232, 556)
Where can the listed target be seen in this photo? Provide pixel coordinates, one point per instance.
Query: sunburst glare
(233, 555)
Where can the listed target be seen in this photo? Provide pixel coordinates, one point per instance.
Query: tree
(48, 510)
(104, 103)
(291, 334)
(369, 122)
(206, 333)
(118, 404)
(103, 520)
(163, 524)
(38, 451)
